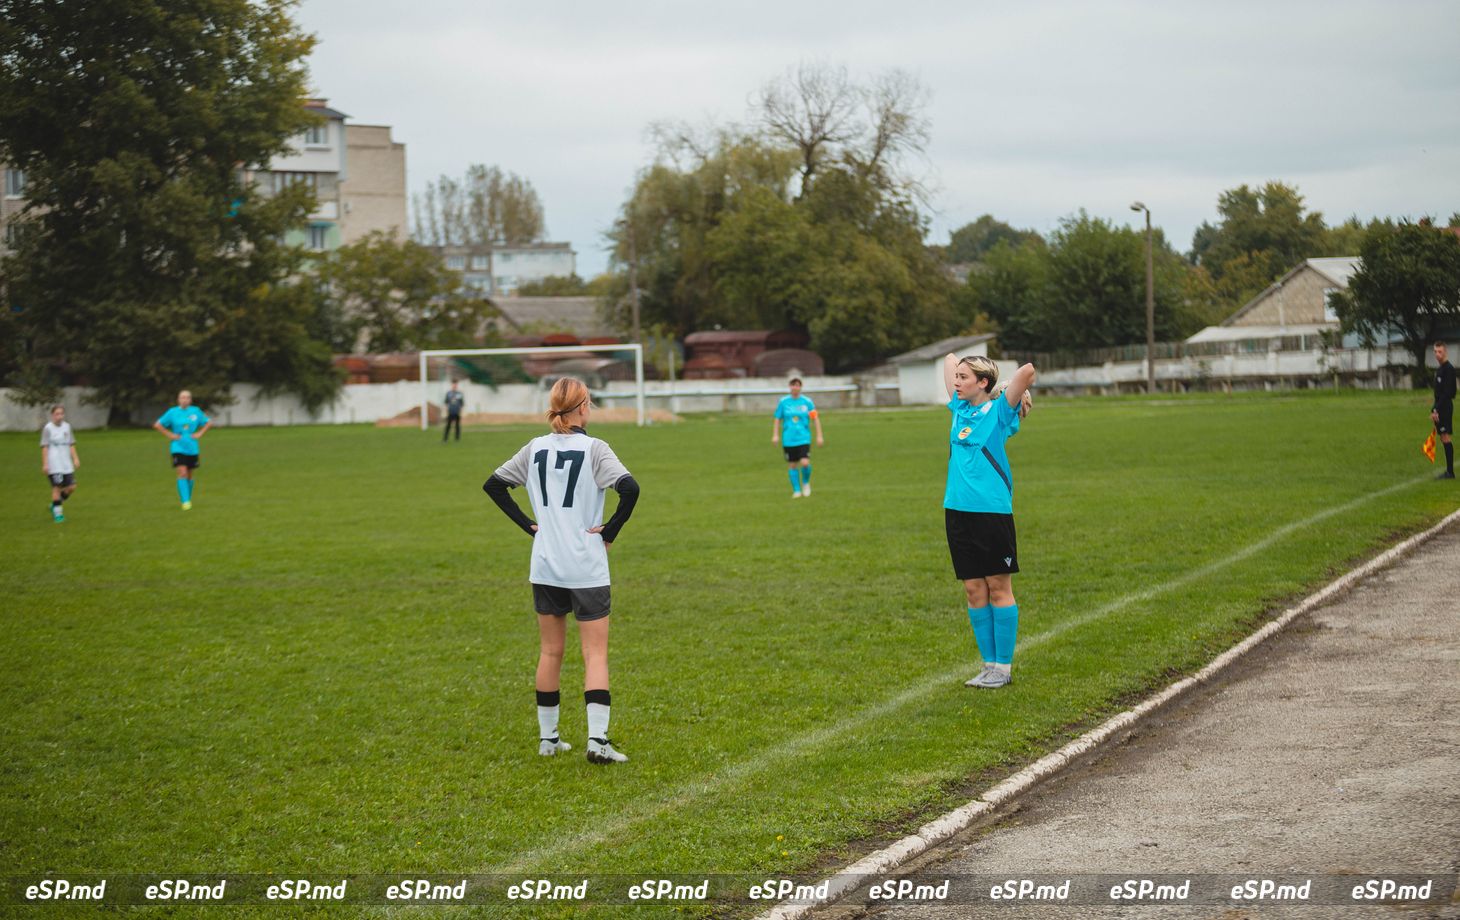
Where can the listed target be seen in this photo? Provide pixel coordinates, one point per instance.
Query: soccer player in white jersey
(59, 460)
(566, 473)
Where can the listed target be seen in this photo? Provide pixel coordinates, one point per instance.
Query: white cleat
(547, 747)
(603, 752)
(796, 494)
(806, 490)
(978, 679)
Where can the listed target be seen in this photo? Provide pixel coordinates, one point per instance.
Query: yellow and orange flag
(1429, 446)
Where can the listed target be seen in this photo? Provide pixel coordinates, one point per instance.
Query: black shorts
(585, 603)
(62, 480)
(1445, 425)
(188, 460)
(981, 543)
(798, 453)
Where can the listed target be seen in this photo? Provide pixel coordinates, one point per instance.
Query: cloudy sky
(1037, 109)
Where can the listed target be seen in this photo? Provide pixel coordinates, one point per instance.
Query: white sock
(1004, 668)
(547, 714)
(598, 703)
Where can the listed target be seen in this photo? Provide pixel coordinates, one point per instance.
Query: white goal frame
(638, 351)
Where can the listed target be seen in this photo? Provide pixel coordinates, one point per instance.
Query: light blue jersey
(979, 478)
(795, 415)
(184, 422)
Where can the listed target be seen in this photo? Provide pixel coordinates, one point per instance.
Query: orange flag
(1429, 446)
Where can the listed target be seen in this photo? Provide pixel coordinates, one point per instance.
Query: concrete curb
(929, 835)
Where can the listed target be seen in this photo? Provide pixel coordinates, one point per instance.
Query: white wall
(15, 417)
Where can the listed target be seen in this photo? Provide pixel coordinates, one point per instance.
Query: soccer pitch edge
(794, 747)
(850, 878)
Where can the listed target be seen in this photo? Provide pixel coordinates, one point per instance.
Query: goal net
(512, 381)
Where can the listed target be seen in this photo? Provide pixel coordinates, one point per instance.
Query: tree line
(145, 257)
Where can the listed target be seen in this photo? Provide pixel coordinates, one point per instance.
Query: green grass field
(327, 665)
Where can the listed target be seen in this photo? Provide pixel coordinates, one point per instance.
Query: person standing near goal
(978, 505)
(59, 460)
(792, 429)
(455, 399)
(566, 473)
(184, 424)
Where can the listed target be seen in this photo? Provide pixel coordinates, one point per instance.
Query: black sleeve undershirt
(498, 489)
(628, 496)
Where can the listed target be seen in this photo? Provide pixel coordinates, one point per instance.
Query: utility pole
(1150, 302)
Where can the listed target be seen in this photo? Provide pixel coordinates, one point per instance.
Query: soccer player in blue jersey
(978, 505)
(792, 430)
(184, 424)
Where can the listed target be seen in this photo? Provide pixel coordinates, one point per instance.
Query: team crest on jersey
(964, 433)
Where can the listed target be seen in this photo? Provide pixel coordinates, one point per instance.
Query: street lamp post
(1150, 302)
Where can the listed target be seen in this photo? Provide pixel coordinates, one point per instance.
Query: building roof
(1337, 270)
(578, 315)
(1238, 333)
(940, 348)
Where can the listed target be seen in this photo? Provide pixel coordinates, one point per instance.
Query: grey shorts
(585, 603)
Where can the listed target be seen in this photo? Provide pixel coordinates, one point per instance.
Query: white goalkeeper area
(539, 366)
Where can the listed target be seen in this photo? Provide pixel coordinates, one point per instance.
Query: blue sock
(795, 479)
(1006, 629)
(182, 490)
(189, 489)
(982, 621)
(806, 475)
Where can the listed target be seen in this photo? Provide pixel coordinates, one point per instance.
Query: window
(456, 263)
(317, 136)
(478, 263)
(504, 257)
(283, 180)
(318, 236)
(14, 183)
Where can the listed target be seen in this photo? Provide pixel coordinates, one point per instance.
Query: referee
(1442, 412)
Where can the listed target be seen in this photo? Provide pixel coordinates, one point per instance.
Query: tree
(1408, 283)
(380, 295)
(146, 261)
(484, 207)
(1086, 288)
(972, 241)
(567, 286)
(1262, 234)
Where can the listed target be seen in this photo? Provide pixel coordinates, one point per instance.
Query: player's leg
(793, 473)
(552, 632)
(1006, 626)
(56, 513)
(806, 475)
(1445, 428)
(184, 484)
(457, 419)
(981, 618)
(593, 620)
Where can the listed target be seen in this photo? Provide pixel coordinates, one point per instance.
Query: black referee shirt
(1444, 385)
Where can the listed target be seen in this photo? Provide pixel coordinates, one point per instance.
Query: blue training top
(184, 422)
(979, 478)
(795, 415)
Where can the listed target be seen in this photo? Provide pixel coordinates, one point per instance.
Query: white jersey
(566, 475)
(57, 440)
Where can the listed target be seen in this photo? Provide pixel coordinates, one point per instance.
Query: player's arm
(498, 489)
(45, 459)
(206, 425)
(75, 460)
(816, 417)
(1019, 385)
(950, 364)
(628, 496)
(158, 425)
(776, 430)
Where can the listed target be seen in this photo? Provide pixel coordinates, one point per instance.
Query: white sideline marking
(614, 825)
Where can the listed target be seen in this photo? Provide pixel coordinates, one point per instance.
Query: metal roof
(940, 348)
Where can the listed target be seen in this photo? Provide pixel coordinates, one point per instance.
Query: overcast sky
(1037, 109)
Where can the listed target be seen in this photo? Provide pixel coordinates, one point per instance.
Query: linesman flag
(1429, 446)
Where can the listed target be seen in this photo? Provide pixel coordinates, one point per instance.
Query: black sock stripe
(596, 696)
(548, 697)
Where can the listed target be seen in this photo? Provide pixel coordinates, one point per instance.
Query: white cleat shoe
(978, 679)
(796, 494)
(547, 747)
(603, 752)
(806, 490)
(999, 678)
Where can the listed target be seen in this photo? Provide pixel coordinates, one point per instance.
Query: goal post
(542, 351)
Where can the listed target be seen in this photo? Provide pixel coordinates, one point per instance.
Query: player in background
(566, 473)
(978, 505)
(59, 460)
(184, 424)
(792, 430)
(455, 399)
(1442, 413)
